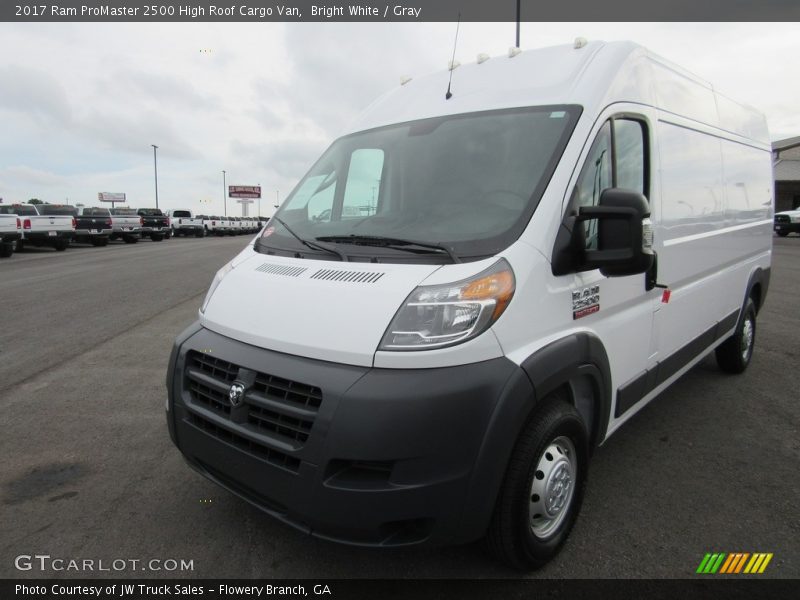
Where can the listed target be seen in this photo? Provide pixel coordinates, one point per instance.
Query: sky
(81, 103)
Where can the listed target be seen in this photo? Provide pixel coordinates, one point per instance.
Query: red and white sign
(244, 191)
(109, 197)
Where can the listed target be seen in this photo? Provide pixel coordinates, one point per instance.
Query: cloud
(33, 93)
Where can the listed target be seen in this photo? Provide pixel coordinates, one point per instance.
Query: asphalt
(89, 472)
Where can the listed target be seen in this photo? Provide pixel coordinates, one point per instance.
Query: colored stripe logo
(734, 563)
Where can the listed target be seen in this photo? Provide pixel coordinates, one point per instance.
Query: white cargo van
(464, 296)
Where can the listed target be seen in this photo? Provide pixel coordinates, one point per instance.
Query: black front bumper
(366, 456)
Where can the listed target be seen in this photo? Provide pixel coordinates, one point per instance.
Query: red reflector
(665, 296)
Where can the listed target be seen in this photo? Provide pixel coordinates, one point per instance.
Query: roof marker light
(580, 42)
(512, 52)
(404, 79)
(482, 58)
(453, 65)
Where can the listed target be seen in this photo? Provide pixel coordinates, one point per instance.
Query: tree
(35, 201)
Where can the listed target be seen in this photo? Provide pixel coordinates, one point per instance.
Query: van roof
(592, 76)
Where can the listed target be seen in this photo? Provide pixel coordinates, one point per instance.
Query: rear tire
(156, 238)
(20, 246)
(129, 239)
(783, 233)
(99, 242)
(199, 234)
(6, 249)
(61, 245)
(543, 487)
(734, 354)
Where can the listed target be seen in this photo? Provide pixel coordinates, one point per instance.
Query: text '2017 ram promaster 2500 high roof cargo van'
(464, 296)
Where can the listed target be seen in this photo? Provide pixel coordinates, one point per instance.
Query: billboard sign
(244, 191)
(109, 197)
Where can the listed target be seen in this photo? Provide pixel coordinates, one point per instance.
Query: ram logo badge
(236, 394)
(585, 302)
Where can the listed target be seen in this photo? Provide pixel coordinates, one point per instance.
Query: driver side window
(617, 158)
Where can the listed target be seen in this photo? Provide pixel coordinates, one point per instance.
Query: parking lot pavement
(89, 471)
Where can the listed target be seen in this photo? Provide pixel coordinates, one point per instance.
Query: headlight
(217, 279)
(436, 316)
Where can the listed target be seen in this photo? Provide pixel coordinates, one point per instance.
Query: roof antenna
(518, 19)
(449, 94)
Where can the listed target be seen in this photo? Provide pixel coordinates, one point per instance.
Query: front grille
(274, 457)
(782, 219)
(274, 409)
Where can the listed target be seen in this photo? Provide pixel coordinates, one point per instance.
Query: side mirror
(624, 237)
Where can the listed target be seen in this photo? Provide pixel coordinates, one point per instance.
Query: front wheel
(543, 487)
(734, 354)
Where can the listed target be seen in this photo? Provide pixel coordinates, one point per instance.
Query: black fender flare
(576, 355)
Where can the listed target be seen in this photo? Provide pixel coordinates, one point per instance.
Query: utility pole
(225, 193)
(155, 169)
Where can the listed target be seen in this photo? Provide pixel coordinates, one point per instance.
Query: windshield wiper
(388, 242)
(313, 245)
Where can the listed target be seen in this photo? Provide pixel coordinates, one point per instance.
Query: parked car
(155, 224)
(786, 222)
(10, 230)
(93, 225)
(183, 222)
(44, 225)
(126, 224)
(506, 276)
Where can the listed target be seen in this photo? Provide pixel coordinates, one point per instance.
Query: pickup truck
(214, 225)
(10, 231)
(93, 225)
(183, 222)
(126, 224)
(155, 224)
(45, 225)
(787, 222)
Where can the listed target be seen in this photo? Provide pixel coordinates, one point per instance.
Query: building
(786, 161)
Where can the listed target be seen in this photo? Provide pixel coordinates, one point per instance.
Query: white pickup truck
(126, 224)
(45, 225)
(183, 222)
(10, 230)
(213, 225)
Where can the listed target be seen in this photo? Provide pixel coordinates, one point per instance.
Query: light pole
(259, 199)
(277, 201)
(155, 169)
(225, 193)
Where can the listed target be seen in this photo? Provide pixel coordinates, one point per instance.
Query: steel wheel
(553, 487)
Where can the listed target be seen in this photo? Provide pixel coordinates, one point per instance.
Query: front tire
(734, 354)
(543, 487)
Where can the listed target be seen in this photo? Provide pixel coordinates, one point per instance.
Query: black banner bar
(744, 587)
(292, 11)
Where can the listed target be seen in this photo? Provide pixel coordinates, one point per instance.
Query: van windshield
(470, 182)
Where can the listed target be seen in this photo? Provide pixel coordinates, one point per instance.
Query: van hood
(318, 309)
